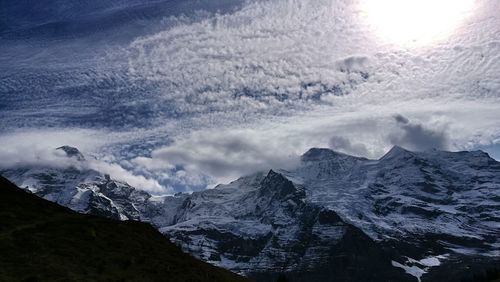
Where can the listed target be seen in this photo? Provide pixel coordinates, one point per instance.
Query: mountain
(408, 193)
(409, 216)
(81, 188)
(42, 241)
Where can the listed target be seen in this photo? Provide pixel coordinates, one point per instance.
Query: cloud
(215, 154)
(211, 98)
(223, 156)
(264, 55)
(342, 144)
(401, 119)
(37, 148)
(415, 136)
(117, 172)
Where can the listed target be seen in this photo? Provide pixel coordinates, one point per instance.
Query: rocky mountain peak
(396, 152)
(277, 184)
(322, 154)
(72, 152)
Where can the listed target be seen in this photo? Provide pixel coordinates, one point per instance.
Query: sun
(415, 22)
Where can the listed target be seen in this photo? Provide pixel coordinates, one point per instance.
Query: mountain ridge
(406, 207)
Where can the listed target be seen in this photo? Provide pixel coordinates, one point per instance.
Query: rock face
(429, 216)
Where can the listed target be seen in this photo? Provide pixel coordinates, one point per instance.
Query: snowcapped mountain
(407, 193)
(81, 188)
(426, 216)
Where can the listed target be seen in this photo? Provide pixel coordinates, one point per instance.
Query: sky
(181, 95)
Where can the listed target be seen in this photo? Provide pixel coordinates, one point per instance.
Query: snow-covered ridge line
(292, 220)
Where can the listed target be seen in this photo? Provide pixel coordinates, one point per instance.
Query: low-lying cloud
(223, 156)
(206, 157)
(344, 145)
(417, 137)
(38, 149)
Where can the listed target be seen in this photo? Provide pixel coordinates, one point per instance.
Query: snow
(80, 200)
(31, 184)
(387, 199)
(417, 268)
(431, 261)
(412, 270)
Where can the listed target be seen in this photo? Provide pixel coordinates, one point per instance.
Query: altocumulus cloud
(267, 51)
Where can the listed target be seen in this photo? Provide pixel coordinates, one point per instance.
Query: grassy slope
(41, 241)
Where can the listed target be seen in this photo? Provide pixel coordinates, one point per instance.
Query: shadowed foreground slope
(42, 241)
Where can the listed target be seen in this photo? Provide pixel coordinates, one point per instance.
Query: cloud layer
(207, 97)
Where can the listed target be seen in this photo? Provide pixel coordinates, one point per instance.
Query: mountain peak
(72, 152)
(320, 154)
(276, 183)
(396, 151)
(273, 176)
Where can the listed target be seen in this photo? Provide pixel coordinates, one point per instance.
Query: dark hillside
(42, 241)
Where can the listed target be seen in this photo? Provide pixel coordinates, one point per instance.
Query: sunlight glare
(415, 22)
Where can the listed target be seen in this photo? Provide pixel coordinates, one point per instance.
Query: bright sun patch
(415, 22)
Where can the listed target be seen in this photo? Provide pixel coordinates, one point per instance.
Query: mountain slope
(409, 216)
(42, 241)
(408, 193)
(264, 226)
